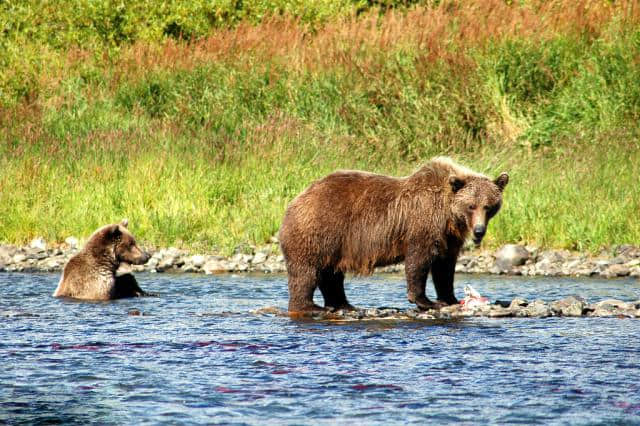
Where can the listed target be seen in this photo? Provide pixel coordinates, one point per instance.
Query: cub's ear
(456, 183)
(124, 222)
(114, 231)
(502, 180)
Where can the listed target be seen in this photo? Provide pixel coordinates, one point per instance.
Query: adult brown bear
(352, 221)
(91, 274)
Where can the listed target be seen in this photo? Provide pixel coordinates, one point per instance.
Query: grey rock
(198, 260)
(537, 308)
(19, 258)
(617, 260)
(617, 270)
(166, 263)
(611, 308)
(260, 257)
(71, 242)
(51, 265)
(241, 258)
(511, 255)
(139, 268)
(628, 251)
(38, 243)
(36, 253)
(217, 266)
(613, 304)
(554, 256)
(632, 263)
(572, 306)
(500, 312)
(239, 267)
(189, 267)
(7, 253)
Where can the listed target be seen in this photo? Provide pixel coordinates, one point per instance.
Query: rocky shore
(622, 261)
(571, 306)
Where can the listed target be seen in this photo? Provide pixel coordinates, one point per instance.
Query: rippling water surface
(195, 354)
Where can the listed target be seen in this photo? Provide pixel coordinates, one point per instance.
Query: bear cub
(353, 221)
(91, 274)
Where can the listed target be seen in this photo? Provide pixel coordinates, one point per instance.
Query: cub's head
(118, 244)
(476, 199)
(125, 248)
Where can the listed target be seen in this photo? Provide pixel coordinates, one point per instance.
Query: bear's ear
(456, 183)
(502, 181)
(124, 222)
(114, 231)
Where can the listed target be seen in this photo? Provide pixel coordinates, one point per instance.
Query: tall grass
(202, 143)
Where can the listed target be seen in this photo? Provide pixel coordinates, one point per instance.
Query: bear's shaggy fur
(353, 221)
(91, 274)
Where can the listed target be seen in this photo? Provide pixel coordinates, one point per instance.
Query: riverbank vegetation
(201, 123)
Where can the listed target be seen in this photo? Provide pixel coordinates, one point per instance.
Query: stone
(497, 311)
(35, 253)
(188, 267)
(617, 270)
(19, 258)
(537, 309)
(7, 253)
(51, 265)
(260, 257)
(612, 308)
(518, 303)
(71, 242)
(197, 260)
(572, 306)
(216, 265)
(511, 255)
(242, 258)
(38, 243)
(613, 303)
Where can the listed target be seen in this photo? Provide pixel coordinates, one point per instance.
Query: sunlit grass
(203, 144)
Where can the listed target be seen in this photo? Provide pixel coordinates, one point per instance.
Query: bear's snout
(143, 257)
(135, 256)
(478, 233)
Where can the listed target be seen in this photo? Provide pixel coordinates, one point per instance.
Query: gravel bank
(624, 260)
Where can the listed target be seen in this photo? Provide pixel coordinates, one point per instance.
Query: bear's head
(476, 199)
(124, 245)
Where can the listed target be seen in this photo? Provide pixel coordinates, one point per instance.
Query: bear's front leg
(442, 271)
(416, 272)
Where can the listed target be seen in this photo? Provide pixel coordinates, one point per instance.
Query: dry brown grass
(440, 33)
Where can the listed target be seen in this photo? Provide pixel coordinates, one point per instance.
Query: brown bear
(91, 274)
(353, 221)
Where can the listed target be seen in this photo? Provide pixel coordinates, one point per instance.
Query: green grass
(202, 145)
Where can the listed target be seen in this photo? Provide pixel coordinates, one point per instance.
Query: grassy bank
(203, 143)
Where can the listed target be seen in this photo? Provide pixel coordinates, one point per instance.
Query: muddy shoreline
(621, 261)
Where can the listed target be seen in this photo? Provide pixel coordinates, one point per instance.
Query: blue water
(196, 354)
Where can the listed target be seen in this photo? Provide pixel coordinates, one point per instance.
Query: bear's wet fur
(91, 274)
(354, 221)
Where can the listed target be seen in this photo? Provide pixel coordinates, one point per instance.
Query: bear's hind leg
(302, 284)
(332, 287)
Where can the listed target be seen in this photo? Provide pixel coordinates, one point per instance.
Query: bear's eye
(492, 210)
(472, 207)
